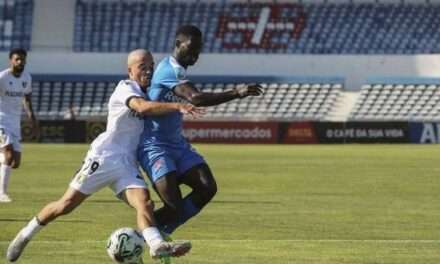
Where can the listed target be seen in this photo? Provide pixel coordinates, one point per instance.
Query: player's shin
(5, 173)
(189, 211)
(32, 228)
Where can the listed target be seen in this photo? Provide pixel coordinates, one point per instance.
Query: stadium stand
(15, 24)
(305, 99)
(281, 101)
(53, 98)
(308, 28)
(410, 100)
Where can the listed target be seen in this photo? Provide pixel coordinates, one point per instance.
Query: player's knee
(8, 158)
(210, 191)
(207, 191)
(149, 205)
(144, 205)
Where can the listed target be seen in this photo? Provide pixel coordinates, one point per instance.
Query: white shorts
(117, 172)
(7, 138)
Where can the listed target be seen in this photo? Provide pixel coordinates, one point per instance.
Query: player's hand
(191, 110)
(246, 90)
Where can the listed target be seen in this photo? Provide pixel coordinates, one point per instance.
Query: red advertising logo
(300, 133)
(261, 26)
(231, 132)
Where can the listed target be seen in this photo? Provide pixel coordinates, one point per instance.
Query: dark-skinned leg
(177, 211)
(169, 192)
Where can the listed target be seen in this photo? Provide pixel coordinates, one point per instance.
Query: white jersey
(124, 126)
(12, 90)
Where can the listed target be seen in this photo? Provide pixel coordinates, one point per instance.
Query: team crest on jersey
(24, 85)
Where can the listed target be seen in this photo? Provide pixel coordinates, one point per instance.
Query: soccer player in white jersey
(15, 88)
(111, 161)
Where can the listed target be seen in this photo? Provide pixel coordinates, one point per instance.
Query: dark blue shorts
(160, 159)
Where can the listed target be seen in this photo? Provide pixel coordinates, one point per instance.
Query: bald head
(137, 55)
(140, 66)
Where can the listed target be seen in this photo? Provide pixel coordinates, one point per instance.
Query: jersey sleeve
(126, 91)
(171, 75)
(28, 85)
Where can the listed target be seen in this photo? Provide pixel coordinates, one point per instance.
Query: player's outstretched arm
(144, 107)
(188, 92)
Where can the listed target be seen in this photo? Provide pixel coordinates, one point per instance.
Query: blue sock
(189, 210)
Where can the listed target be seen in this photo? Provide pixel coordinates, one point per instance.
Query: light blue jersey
(166, 128)
(163, 148)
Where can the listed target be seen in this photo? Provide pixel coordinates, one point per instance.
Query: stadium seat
(280, 101)
(306, 28)
(396, 102)
(15, 24)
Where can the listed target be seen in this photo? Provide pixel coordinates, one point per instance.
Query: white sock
(152, 236)
(2, 157)
(31, 228)
(5, 173)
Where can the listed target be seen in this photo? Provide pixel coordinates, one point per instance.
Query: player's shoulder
(164, 66)
(169, 67)
(128, 86)
(124, 84)
(26, 75)
(4, 73)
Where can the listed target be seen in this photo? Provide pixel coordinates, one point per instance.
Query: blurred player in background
(111, 161)
(164, 154)
(15, 89)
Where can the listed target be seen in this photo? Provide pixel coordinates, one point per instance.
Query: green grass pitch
(331, 204)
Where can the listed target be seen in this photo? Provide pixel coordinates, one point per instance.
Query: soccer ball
(125, 245)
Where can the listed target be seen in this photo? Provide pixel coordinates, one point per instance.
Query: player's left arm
(27, 102)
(188, 92)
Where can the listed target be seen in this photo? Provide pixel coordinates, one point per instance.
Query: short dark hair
(19, 51)
(189, 31)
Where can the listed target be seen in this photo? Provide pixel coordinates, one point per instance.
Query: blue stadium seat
(15, 24)
(53, 96)
(367, 28)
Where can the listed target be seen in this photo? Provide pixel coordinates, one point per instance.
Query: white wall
(355, 69)
(52, 25)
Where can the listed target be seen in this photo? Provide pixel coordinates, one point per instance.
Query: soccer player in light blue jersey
(164, 154)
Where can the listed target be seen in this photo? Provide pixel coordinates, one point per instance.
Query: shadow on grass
(115, 201)
(245, 202)
(58, 220)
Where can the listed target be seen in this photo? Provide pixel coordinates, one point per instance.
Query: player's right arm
(2, 84)
(188, 92)
(144, 107)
